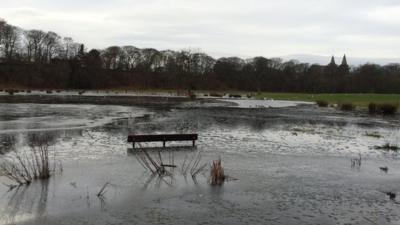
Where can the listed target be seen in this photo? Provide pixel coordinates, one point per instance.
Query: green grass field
(361, 100)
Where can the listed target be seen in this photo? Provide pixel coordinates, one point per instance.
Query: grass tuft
(322, 103)
(373, 134)
(217, 95)
(384, 108)
(10, 92)
(235, 96)
(372, 108)
(347, 107)
(388, 109)
(388, 147)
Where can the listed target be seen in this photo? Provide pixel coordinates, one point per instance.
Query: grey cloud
(236, 27)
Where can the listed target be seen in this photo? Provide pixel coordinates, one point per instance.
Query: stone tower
(344, 67)
(332, 63)
(344, 61)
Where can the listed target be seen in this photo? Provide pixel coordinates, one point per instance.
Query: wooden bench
(162, 137)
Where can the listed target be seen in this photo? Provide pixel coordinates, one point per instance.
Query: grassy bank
(360, 100)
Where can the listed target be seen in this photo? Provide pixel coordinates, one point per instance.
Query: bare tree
(150, 59)
(52, 46)
(111, 57)
(3, 23)
(35, 45)
(9, 37)
(132, 57)
(201, 63)
(67, 44)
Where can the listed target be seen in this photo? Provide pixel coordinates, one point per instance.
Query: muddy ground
(291, 164)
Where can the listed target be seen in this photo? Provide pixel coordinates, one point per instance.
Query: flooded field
(291, 163)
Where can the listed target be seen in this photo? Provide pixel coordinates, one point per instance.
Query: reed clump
(347, 107)
(217, 175)
(388, 109)
(34, 164)
(372, 108)
(388, 147)
(384, 109)
(192, 95)
(217, 95)
(322, 103)
(235, 96)
(356, 162)
(11, 92)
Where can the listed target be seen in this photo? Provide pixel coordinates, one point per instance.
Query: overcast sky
(359, 28)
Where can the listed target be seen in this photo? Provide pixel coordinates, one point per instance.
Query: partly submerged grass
(388, 147)
(322, 103)
(373, 134)
(360, 100)
(385, 109)
(27, 166)
(347, 106)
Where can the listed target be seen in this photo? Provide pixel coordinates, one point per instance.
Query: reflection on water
(41, 138)
(303, 129)
(280, 156)
(25, 203)
(7, 143)
(35, 117)
(22, 141)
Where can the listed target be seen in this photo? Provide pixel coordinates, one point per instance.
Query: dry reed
(217, 175)
(27, 166)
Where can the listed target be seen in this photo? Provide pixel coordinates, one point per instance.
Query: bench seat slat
(162, 137)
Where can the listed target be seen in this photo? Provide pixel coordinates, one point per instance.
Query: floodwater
(291, 165)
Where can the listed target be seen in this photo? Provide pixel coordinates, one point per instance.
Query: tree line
(39, 59)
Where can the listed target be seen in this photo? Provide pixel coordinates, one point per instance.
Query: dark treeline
(38, 59)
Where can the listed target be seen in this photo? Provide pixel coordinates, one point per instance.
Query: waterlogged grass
(373, 134)
(388, 147)
(359, 100)
(356, 100)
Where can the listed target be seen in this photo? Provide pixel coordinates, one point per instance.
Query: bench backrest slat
(162, 137)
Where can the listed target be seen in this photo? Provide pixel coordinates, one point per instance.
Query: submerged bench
(162, 138)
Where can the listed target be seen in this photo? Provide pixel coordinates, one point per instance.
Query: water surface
(292, 166)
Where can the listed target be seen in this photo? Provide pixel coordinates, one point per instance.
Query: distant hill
(324, 60)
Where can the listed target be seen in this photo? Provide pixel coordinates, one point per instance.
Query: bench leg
(133, 144)
(194, 143)
(164, 144)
